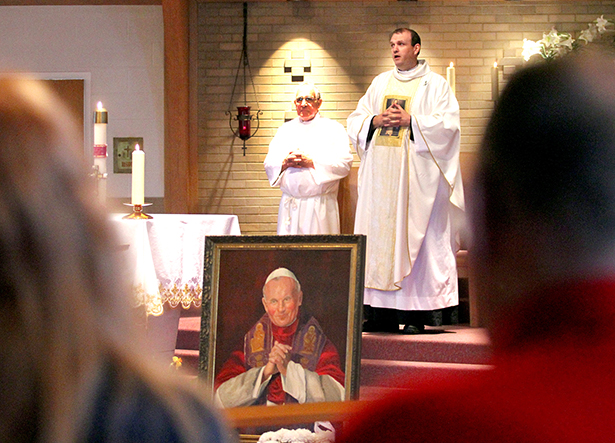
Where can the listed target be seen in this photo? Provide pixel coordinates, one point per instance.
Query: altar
(163, 259)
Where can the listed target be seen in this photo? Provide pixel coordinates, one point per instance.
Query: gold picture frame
(122, 153)
(330, 269)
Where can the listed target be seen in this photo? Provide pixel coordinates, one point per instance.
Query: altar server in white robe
(307, 158)
(410, 205)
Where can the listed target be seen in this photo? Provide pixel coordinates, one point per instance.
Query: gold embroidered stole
(401, 93)
(389, 164)
(308, 343)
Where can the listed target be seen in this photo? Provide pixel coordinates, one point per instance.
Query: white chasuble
(309, 195)
(410, 194)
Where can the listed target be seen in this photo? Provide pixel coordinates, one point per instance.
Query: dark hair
(543, 197)
(551, 141)
(415, 37)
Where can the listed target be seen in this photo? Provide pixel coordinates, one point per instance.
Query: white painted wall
(118, 50)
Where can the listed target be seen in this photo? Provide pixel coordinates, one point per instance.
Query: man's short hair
(415, 37)
(282, 272)
(312, 87)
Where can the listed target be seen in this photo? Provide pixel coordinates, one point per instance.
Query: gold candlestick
(137, 212)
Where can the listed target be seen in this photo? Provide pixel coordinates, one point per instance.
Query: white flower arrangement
(325, 433)
(556, 44)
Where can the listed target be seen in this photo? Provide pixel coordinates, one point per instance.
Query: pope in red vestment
(286, 357)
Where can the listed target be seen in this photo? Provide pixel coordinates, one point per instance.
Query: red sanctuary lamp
(243, 117)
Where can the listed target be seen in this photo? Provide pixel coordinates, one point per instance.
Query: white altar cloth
(164, 256)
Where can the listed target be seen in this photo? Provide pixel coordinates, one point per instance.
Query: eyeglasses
(310, 100)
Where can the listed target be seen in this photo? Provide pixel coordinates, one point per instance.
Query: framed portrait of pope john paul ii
(281, 318)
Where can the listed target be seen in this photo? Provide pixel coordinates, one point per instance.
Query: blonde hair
(65, 313)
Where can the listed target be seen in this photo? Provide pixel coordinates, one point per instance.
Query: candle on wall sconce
(495, 87)
(450, 76)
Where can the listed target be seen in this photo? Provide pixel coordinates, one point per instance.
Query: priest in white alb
(410, 205)
(307, 158)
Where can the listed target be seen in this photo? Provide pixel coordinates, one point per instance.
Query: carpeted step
(377, 392)
(395, 374)
(387, 359)
(189, 333)
(443, 344)
(378, 377)
(375, 374)
(191, 312)
(382, 373)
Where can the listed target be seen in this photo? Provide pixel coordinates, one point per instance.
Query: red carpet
(385, 358)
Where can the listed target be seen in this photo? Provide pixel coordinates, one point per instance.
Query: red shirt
(553, 381)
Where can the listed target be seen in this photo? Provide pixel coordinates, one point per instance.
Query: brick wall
(344, 45)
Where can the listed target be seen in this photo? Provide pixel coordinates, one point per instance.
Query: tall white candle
(100, 149)
(138, 176)
(495, 86)
(450, 76)
(100, 125)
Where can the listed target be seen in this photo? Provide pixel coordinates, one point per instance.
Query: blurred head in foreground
(544, 197)
(543, 257)
(67, 364)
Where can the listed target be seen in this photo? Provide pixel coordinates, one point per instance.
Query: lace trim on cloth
(187, 294)
(173, 293)
(152, 302)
